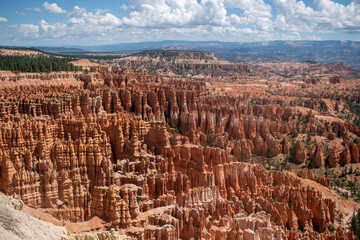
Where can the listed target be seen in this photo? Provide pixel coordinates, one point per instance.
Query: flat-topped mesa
(182, 63)
(176, 55)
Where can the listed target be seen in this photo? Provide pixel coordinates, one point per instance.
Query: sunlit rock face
(161, 158)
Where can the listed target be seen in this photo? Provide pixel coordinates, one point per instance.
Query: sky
(100, 22)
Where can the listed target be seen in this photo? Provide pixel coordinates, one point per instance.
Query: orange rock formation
(158, 158)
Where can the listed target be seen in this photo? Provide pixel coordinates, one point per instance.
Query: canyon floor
(181, 145)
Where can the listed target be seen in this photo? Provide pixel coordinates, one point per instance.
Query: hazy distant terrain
(317, 51)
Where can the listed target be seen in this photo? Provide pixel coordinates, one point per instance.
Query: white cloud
(252, 8)
(53, 8)
(323, 15)
(191, 13)
(27, 29)
(80, 25)
(292, 36)
(125, 7)
(249, 20)
(255, 12)
(20, 13)
(101, 11)
(77, 11)
(166, 13)
(85, 19)
(2, 19)
(194, 33)
(313, 37)
(292, 15)
(33, 9)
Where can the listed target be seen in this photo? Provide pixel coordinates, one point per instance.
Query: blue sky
(87, 22)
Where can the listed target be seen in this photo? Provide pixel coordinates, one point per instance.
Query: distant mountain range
(61, 49)
(347, 52)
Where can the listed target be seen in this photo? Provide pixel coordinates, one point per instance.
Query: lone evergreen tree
(355, 223)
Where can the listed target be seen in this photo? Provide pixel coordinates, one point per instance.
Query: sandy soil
(84, 63)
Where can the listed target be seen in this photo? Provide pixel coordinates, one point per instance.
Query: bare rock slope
(15, 224)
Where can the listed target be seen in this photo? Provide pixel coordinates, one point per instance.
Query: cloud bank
(229, 20)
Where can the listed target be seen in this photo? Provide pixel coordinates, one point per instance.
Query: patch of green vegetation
(36, 64)
(213, 139)
(291, 203)
(355, 224)
(340, 217)
(173, 126)
(344, 181)
(332, 228)
(355, 108)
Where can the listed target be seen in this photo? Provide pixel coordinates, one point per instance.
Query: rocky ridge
(206, 65)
